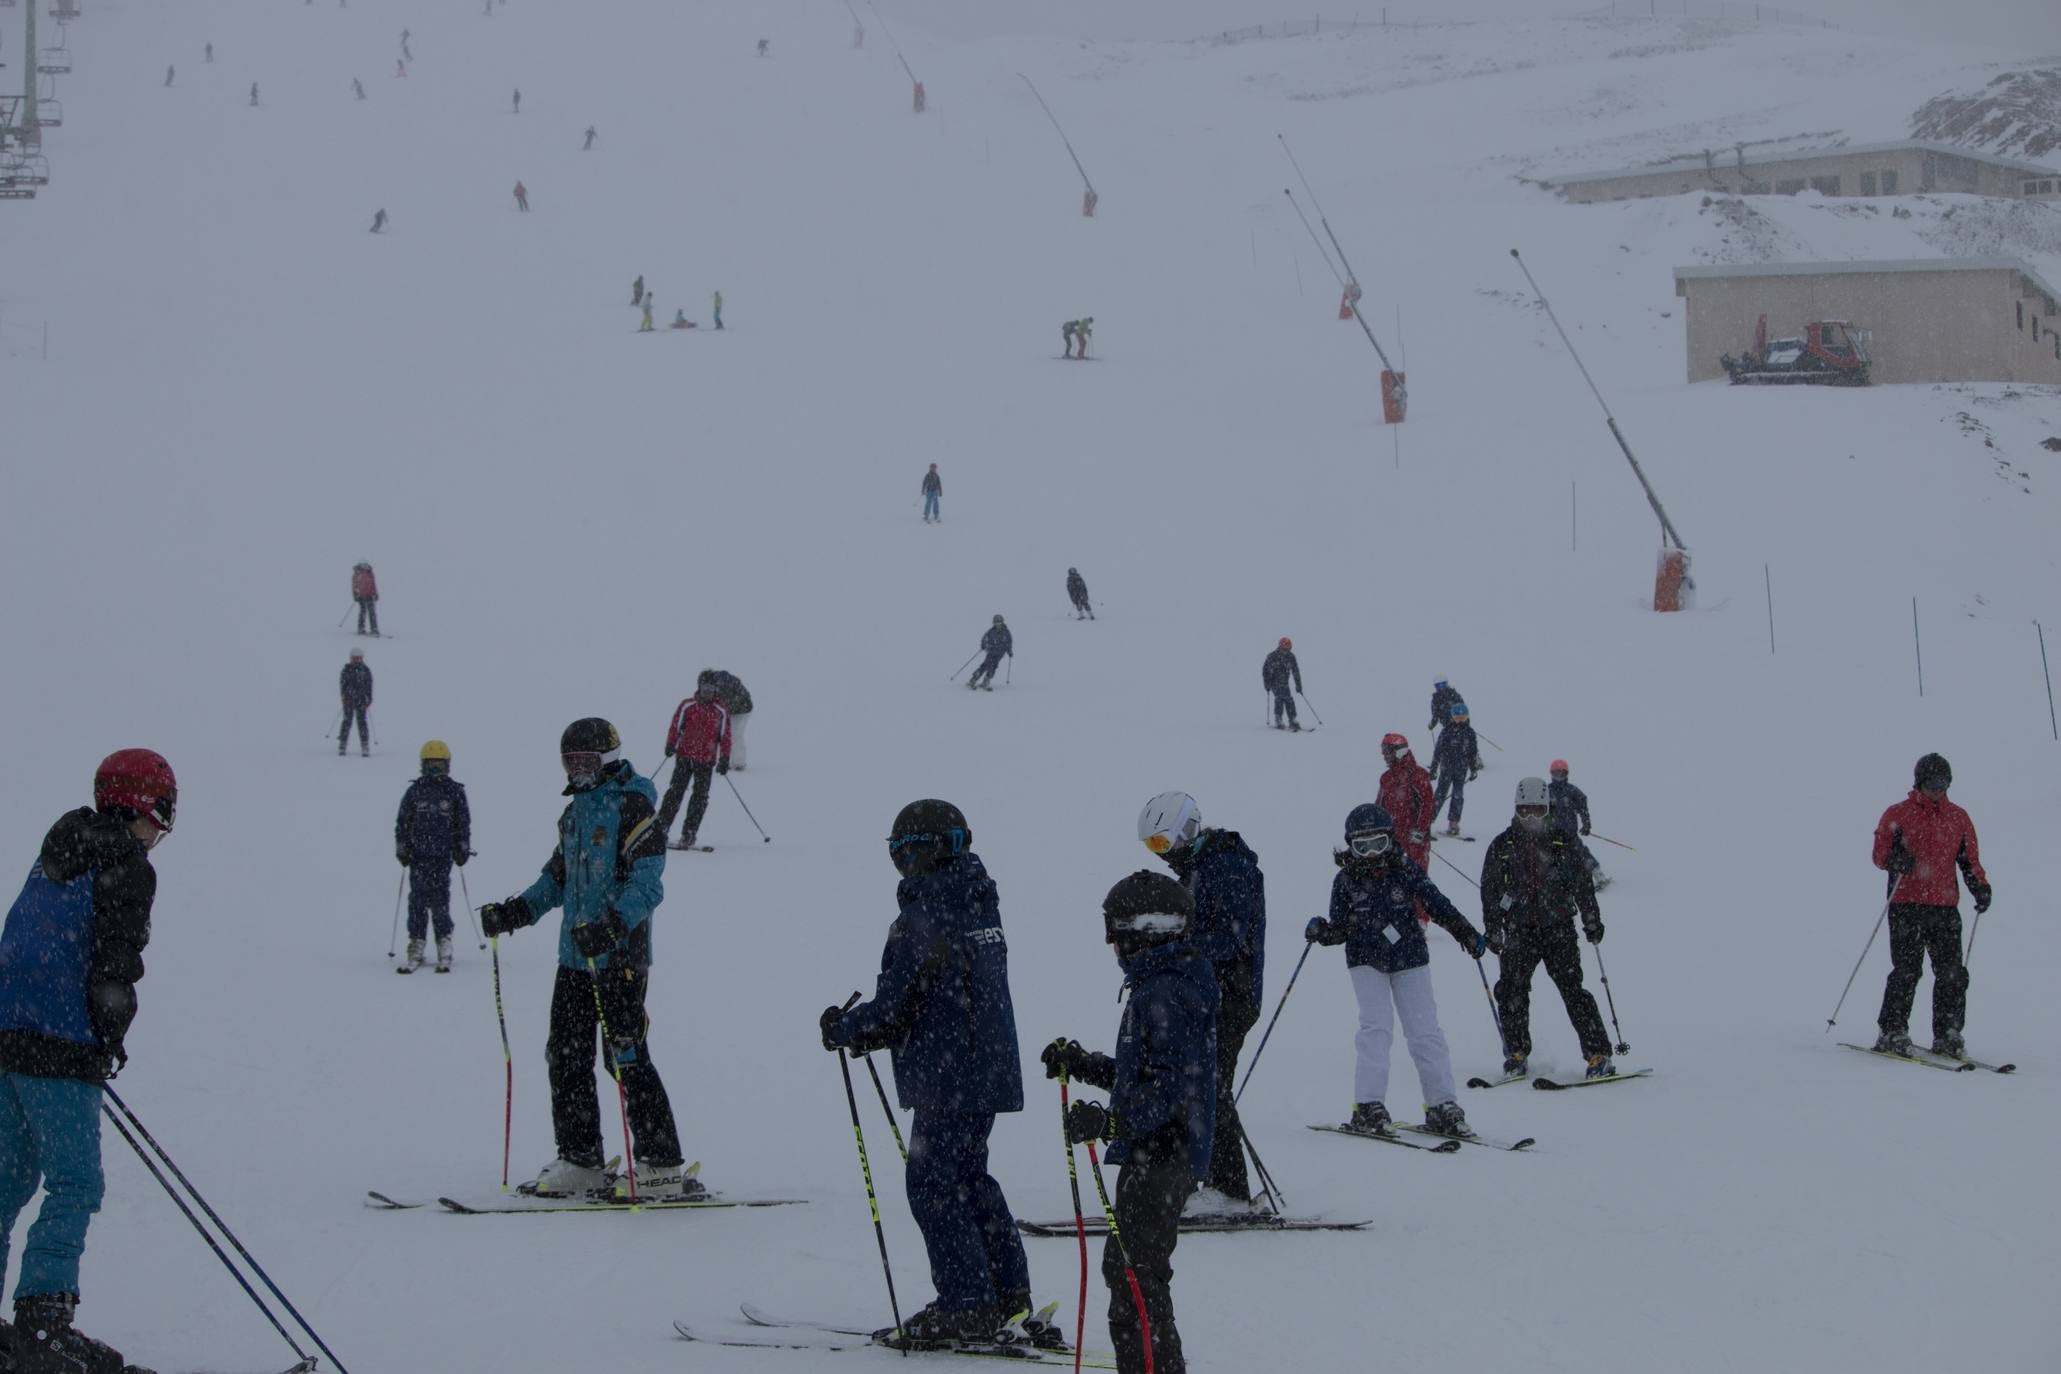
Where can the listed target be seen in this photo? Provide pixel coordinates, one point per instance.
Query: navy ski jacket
(355, 682)
(1456, 751)
(1375, 908)
(1164, 1076)
(434, 825)
(1443, 700)
(941, 1004)
(997, 642)
(1277, 669)
(1570, 807)
(1230, 927)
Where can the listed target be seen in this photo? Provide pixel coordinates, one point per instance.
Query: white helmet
(1169, 821)
(1532, 792)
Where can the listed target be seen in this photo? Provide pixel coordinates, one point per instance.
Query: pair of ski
(1554, 1085)
(775, 1333)
(1447, 1144)
(1926, 1058)
(525, 1199)
(306, 1366)
(691, 848)
(1202, 1223)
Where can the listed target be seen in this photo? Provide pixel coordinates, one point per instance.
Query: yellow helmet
(436, 750)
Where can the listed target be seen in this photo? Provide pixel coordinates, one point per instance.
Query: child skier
(1571, 817)
(1161, 1115)
(364, 586)
(355, 685)
(432, 831)
(1533, 886)
(71, 955)
(1077, 592)
(1375, 899)
(941, 1008)
(607, 871)
(698, 740)
(736, 699)
(997, 644)
(1455, 762)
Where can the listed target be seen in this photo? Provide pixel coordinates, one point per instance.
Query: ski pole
(962, 667)
(1607, 840)
(508, 1063)
(1489, 742)
(221, 1226)
(1833, 1019)
(1495, 1012)
(622, 1094)
(213, 1244)
(1270, 1023)
(393, 937)
(375, 727)
(747, 811)
(1275, 1197)
(881, 1089)
(1313, 710)
(851, 1099)
(1969, 953)
(1080, 1227)
(1455, 867)
(346, 615)
(1009, 671)
(334, 721)
(1116, 1234)
(1621, 1047)
(468, 907)
(661, 768)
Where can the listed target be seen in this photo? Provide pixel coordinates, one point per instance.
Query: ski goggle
(1160, 843)
(584, 763)
(160, 813)
(955, 840)
(1370, 843)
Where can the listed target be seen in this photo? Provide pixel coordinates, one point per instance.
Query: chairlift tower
(31, 132)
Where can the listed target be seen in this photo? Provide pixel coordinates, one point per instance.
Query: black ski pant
(685, 772)
(986, 669)
(1456, 784)
(1283, 703)
(429, 899)
(1081, 605)
(575, 1109)
(1237, 1014)
(369, 610)
(969, 1233)
(1151, 1189)
(353, 711)
(1914, 932)
(1556, 945)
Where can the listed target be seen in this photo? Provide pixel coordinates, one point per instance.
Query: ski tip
(1525, 1144)
(1446, 1147)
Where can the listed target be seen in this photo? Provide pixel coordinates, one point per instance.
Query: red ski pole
(1117, 1235)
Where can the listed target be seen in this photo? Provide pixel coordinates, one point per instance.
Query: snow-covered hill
(246, 392)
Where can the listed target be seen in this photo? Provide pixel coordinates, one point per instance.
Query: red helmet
(1395, 742)
(1287, 643)
(1557, 766)
(139, 780)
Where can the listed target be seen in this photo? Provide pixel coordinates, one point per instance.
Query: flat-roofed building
(1872, 169)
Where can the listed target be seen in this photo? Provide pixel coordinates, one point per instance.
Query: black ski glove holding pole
(827, 1022)
(1981, 891)
(597, 938)
(1901, 860)
(1087, 1121)
(502, 918)
(1592, 927)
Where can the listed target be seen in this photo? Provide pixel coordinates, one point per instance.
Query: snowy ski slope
(246, 392)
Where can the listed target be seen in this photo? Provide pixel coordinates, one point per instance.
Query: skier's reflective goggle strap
(1371, 843)
(1160, 843)
(955, 837)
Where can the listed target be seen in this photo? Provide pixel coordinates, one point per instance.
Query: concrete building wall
(1950, 326)
(1894, 171)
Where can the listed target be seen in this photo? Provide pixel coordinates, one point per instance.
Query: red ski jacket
(1939, 836)
(700, 732)
(1406, 797)
(364, 587)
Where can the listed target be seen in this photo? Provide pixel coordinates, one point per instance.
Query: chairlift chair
(49, 114)
(53, 61)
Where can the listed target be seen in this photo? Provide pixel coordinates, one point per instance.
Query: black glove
(597, 938)
(1064, 1056)
(1086, 1121)
(1592, 927)
(1981, 891)
(502, 918)
(828, 1022)
(407, 859)
(1481, 945)
(722, 767)
(669, 751)
(1585, 827)
(459, 856)
(1323, 932)
(1493, 938)
(1901, 860)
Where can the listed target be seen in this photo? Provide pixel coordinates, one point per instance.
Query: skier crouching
(1161, 1114)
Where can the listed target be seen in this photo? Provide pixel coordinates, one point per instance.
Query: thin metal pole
(1574, 538)
(467, 892)
(872, 1199)
(1322, 251)
(1970, 952)
(1270, 1024)
(1769, 579)
(508, 1065)
(1062, 134)
(881, 1089)
(393, 937)
(1833, 1019)
(2048, 672)
(1917, 647)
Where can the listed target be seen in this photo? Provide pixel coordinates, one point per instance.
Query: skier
(588, 146)
(168, 77)
(71, 955)
(400, 67)
(364, 586)
(1160, 1119)
(254, 94)
(765, 44)
(680, 321)
(355, 684)
(1571, 817)
(637, 290)
(698, 742)
(941, 1008)
(378, 226)
(933, 491)
(1455, 762)
(1406, 796)
(210, 51)
(1921, 841)
(719, 309)
(518, 100)
(1223, 875)
(432, 831)
(1077, 592)
(1443, 699)
(1066, 333)
(522, 197)
(919, 100)
(997, 644)
(650, 302)
(1277, 670)
(358, 88)
(607, 871)
(1081, 330)
(730, 690)
(1533, 886)
(1375, 900)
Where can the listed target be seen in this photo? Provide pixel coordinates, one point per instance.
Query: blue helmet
(1365, 817)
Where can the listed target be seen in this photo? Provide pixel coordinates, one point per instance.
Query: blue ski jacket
(1570, 805)
(434, 824)
(941, 1004)
(1456, 751)
(1375, 910)
(610, 860)
(1166, 1053)
(1230, 927)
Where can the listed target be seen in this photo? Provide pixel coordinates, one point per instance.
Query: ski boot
(1371, 1118)
(6, 1348)
(1601, 1067)
(45, 1342)
(1447, 1119)
(1032, 1326)
(413, 959)
(443, 954)
(1453, 829)
(1516, 1065)
(1214, 1202)
(1893, 1042)
(1950, 1045)
(662, 1183)
(935, 1327)
(564, 1178)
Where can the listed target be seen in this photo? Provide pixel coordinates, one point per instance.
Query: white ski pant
(737, 724)
(1383, 997)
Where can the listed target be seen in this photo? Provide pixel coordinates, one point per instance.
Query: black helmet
(588, 748)
(1932, 768)
(926, 833)
(1146, 909)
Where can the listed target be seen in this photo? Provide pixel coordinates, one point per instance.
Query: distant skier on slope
(1161, 1117)
(941, 1008)
(432, 831)
(650, 304)
(168, 76)
(355, 685)
(680, 321)
(379, 221)
(588, 146)
(1375, 898)
(358, 88)
(637, 290)
(607, 871)
(1405, 794)
(1444, 697)
(997, 644)
(1077, 592)
(518, 101)
(1571, 817)
(1223, 875)
(364, 586)
(522, 197)
(698, 742)
(1277, 671)
(933, 491)
(1455, 762)
(1533, 887)
(736, 699)
(717, 306)
(1920, 842)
